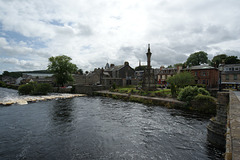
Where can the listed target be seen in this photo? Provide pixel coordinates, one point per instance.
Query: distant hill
(19, 73)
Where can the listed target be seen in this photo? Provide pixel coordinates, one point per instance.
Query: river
(101, 128)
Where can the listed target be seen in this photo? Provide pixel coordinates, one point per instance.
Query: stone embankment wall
(233, 129)
(88, 89)
(168, 102)
(217, 125)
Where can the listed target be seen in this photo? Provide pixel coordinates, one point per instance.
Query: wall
(233, 129)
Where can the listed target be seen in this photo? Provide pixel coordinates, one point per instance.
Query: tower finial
(148, 47)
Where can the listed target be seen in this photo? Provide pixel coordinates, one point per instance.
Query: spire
(149, 57)
(139, 62)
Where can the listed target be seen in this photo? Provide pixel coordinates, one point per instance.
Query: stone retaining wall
(233, 129)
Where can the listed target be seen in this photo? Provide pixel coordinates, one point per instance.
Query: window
(235, 76)
(203, 81)
(227, 77)
(204, 73)
(230, 69)
(236, 69)
(195, 73)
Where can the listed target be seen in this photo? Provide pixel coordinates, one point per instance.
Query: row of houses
(228, 76)
(124, 74)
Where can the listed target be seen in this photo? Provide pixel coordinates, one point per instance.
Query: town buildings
(165, 73)
(121, 75)
(230, 76)
(205, 74)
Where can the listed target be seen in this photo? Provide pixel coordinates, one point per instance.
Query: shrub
(25, 89)
(187, 94)
(203, 91)
(34, 89)
(204, 104)
(2, 84)
(42, 89)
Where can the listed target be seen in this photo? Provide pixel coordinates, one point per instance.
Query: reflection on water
(101, 128)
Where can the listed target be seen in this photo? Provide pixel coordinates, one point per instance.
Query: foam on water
(9, 98)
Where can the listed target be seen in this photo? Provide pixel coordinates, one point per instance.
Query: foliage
(41, 89)
(80, 71)
(173, 90)
(2, 84)
(34, 89)
(204, 103)
(140, 68)
(182, 79)
(12, 74)
(62, 69)
(197, 58)
(218, 60)
(188, 93)
(114, 86)
(232, 60)
(26, 89)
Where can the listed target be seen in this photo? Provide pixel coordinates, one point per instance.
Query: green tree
(197, 58)
(140, 68)
(80, 71)
(232, 60)
(182, 79)
(218, 60)
(62, 69)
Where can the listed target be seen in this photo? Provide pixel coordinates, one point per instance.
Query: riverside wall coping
(167, 100)
(233, 128)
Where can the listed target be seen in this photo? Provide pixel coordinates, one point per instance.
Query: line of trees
(201, 57)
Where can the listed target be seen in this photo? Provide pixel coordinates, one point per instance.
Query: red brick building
(205, 74)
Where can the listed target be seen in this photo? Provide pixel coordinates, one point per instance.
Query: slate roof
(203, 66)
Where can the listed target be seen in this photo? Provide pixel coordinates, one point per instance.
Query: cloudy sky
(94, 32)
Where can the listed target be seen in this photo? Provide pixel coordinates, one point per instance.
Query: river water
(101, 128)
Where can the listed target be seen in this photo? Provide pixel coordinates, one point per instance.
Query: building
(121, 75)
(37, 77)
(230, 76)
(165, 73)
(205, 74)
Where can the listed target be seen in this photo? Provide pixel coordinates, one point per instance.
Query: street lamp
(220, 68)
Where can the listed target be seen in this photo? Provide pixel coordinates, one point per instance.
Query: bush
(2, 84)
(42, 89)
(204, 104)
(203, 91)
(25, 89)
(34, 89)
(188, 93)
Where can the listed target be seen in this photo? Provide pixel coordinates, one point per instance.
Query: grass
(133, 90)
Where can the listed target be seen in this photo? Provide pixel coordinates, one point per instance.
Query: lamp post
(220, 68)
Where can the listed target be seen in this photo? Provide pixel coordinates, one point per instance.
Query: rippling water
(101, 128)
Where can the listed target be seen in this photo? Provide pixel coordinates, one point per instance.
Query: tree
(140, 68)
(232, 60)
(182, 79)
(62, 69)
(197, 58)
(218, 60)
(80, 71)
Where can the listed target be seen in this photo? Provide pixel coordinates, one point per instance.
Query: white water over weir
(22, 100)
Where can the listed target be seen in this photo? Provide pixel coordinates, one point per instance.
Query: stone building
(230, 76)
(165, 73)
(121, 75)
(91, 78)
(205, 74)
(149, 82)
